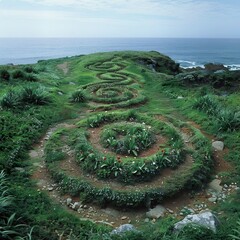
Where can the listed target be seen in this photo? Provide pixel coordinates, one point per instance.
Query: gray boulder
(156, 212)
(218, 145)
(124, 228)
(204, 219)
(68, 201)
(215, 186)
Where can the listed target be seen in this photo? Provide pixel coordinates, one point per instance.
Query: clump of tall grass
(10, 227)
(30, 69)
(207, 104)
(78, 97)
(34, 95)
(4, 75)
(236, 232)
(10, 100)
(26, 96)
(18, 74)
(227, 120)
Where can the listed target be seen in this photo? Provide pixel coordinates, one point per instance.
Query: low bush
(4, 75)
(18, 74)
(20, 98)
(227, 120)
(30, 69)
(10, 100)
(34, 95)
(30, 78)
(78, 97)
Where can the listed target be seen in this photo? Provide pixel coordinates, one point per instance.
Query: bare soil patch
(64, 67)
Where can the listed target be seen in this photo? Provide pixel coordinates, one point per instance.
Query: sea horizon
(188, 52)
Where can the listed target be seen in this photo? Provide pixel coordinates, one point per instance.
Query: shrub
(34, 95)
(207, 104)
(78, 97)
(30, 69)
(18, 74)
(30, 78)
(4, 75)
(228, 120)
(10, 100)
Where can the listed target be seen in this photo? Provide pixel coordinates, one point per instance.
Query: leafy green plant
(78, 97)
(5, 199)
(134, 138)
(236, 232)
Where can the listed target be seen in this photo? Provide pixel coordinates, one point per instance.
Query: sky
(120, 18)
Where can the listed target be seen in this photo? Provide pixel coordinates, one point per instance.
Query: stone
(146, 220)
(76, 206)
(124, 217)
(68, 201)
(212, 199)
(218, 145)
(33, 154)
(205, 219)
(215, 185)
(124, 228)
(156, 212)
(90, 209)
(19, 169)
(50, 189)
(170, 210)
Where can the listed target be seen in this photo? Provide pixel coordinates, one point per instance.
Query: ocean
(188, 52)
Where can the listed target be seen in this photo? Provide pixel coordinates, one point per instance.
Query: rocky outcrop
(204, 219)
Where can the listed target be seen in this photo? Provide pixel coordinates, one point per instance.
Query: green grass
(28, 109)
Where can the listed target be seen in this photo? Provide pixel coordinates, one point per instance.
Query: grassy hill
(125, 130)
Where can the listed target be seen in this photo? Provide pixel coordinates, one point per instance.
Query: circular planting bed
(128, 159)
(117, 88)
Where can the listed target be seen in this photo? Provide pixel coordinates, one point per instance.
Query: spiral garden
(117, 88)
(122, 157)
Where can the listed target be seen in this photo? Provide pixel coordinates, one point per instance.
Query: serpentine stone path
(153, 175)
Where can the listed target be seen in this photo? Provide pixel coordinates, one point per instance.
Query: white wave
(189, 62)
(189, 67)
(233, 67)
